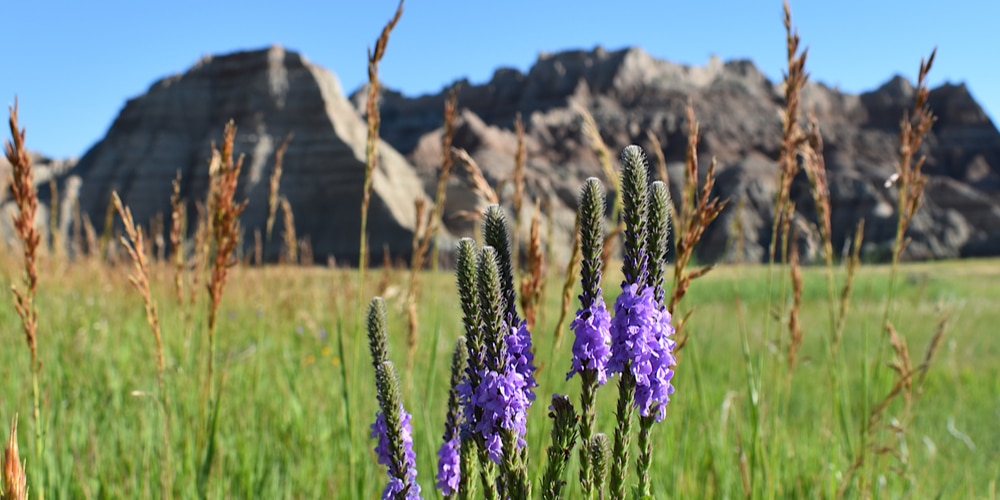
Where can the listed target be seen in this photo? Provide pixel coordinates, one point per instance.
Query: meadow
(298, 394)
(841, 379)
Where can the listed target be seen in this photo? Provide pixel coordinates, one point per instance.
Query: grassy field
(298, 392)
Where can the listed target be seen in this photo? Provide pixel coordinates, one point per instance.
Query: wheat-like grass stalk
(178, 223)
(568, 284)
(291, 243)
(26, 198)
(911, 181)
(909, 176)
(932, 349)
(533, 281)
(476, 180)
(737, 244)
(792, 137)
(901, 364)
(518, 198)
(77, 244)
(22, 185)
(225, 212)
(140, 278)
(224, 230)
(373, 119)
(157, 246)
(307, 257)
(13, 482)
(107, 232)
(257, 258)
(90, 235)
(853, 263)
(592, 134)
(413, 291)
(274, 185)
(661, 161)
(447, 161)
(386, 276)
(911, 185)
(794, 324)
(549, 249)
(427, 228)
(815, 168)
(902, 388)
(697, 211)
(199, 259)
(55, 237)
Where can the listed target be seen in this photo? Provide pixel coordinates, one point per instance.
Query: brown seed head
(15, 483)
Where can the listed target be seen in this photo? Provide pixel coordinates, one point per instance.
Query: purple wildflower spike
(592, 327)
(398, 479)
(449, 471)
(640, 340)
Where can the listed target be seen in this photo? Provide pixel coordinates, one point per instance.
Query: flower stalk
(593, 321)
(391, 428)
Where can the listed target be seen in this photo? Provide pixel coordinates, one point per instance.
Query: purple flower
(520, 357)
(503, 399)
(465, 392)
(494, 448)
(652, 397)
(636, 313)
(449, 470)
(592, 327)
(640, 340)
(398, 479)
(502, 392)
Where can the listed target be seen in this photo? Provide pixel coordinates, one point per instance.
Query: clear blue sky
(73, 64)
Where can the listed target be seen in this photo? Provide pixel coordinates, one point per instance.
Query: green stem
(645, 459)
(512, 467)
(36, 369)
(467, 465)
(345, 398)
(587, 412)
(626, 393)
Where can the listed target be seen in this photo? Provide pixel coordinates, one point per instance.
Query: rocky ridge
(270, 94)
(273, 92)
(630, 92)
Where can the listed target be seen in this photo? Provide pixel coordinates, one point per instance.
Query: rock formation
(273, 92)
(269, 94)
(629, 93)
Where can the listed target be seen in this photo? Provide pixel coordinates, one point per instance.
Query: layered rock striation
(269, 94)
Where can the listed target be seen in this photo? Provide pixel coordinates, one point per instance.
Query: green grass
(296, 404)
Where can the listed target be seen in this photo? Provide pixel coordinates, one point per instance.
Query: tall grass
(283, 417)
(373, 118)
(22, 182)
(140, 278)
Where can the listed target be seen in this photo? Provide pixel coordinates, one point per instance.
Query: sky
(73, 64)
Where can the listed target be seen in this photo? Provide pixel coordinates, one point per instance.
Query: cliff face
(269, 94)
(629, 93)
(274, 92)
